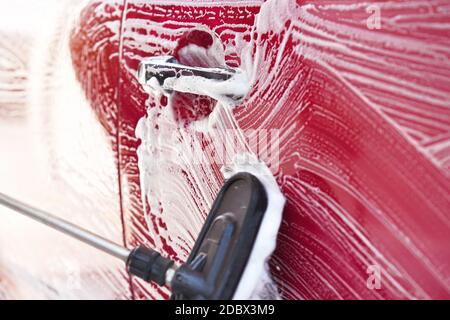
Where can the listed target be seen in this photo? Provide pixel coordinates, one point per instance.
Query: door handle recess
(164, 72)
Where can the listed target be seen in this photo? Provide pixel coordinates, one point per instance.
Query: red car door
(360, 111)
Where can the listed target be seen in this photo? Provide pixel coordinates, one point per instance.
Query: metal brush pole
(66, 227)
(142, 262)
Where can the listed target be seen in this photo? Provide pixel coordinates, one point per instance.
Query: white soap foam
(237, 86)
(165, 154)
(173, 185)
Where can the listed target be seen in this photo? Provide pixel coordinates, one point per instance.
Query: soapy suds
(165, 150)
(154, 159)
(236, 86)
(227, 93)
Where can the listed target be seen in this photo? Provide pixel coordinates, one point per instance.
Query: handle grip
(164, 72)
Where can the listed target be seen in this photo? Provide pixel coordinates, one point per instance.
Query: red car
(353, 97)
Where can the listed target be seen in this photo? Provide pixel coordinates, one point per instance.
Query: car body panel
(359, 133)
(361, 115)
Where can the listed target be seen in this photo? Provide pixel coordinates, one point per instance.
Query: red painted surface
(364, 166)
(364, 121)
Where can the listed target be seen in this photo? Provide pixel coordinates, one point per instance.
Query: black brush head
(220, 254)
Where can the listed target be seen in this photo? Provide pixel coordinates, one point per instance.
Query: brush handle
(66, 227)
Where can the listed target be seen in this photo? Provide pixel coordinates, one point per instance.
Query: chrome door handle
(164, 72)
